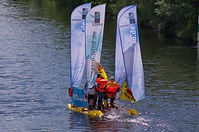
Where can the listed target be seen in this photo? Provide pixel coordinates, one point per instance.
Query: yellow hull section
(95, 113)
(83, 110)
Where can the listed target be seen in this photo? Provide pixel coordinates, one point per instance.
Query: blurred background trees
(175, 18)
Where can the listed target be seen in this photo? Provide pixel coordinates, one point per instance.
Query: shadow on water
(34, 72)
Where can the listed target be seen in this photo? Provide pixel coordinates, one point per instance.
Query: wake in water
(139, 121)
(122, 115)
(114, 113)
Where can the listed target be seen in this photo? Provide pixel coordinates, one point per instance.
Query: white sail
(78, 58)
(94, 37)
(128, 61)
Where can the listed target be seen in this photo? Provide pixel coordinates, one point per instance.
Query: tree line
(175, 18)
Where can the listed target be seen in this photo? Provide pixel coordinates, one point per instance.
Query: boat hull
(95, 113)
(83, 110)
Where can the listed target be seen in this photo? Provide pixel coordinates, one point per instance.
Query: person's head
(112, 79)
(99, 76)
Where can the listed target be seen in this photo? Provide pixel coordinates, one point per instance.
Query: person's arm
(118, 87)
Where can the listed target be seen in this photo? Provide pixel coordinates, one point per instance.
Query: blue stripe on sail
(78, 97)
(79, 103)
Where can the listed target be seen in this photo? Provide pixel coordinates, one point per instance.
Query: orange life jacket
(112, 89)
(98, 80)
(101, 83)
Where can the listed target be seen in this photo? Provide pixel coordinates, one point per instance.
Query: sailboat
(86, 53)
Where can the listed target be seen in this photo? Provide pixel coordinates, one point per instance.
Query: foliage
(176, 18)
(179, 17)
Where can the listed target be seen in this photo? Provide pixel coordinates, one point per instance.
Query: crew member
(111, 89)
(100, 82)
(92, 97)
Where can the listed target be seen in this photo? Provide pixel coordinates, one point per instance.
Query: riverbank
(176, 19)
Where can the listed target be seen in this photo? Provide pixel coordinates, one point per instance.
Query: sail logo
(133, 33)
(93, 52)
(126, 93)
(131, 18)
(84, 13)
(97, 19)
(83, 25)
(133, 27)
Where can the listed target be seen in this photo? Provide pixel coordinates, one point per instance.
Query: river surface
(34, 73)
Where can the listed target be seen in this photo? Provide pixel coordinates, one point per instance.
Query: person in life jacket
(111, 89)
(100, 82)
(91, 97)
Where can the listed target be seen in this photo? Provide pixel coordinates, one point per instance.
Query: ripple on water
(121, 120)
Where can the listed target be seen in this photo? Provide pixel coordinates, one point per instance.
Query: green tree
(177, 18)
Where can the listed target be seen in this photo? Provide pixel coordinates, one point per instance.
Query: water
(34, 73)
